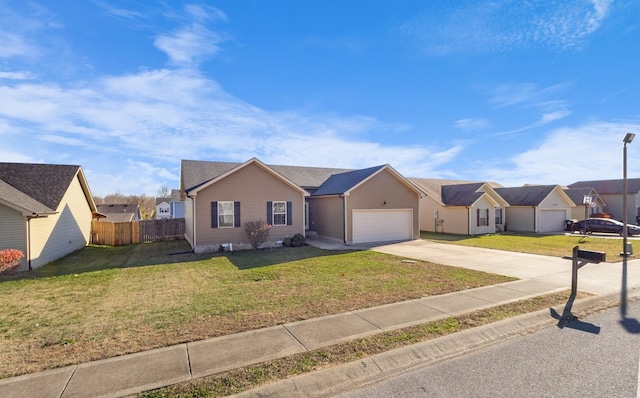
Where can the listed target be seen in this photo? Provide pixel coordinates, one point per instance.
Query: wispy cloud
(567, 155)
(472, 124)
(531, 96)
(193, 41)
(498, 26)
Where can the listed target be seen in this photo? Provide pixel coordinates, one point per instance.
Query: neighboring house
(176, 205)
(163, 208)
(45, 211)
(587, 201)
(171, 207)
(352, 206)
(120, 212)
(612, 192)
(459, 207)
(536, 208)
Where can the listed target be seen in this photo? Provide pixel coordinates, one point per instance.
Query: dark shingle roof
(195, 173)
(461, 194)
(604, 187)
(21, 200)
(343, 182)
(530, 195)
(119, 212)
(44, 183)
(577, 194)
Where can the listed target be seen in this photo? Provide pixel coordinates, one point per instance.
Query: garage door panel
(552, 220)
(382, 225)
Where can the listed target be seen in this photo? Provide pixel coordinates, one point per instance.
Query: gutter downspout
(29, 241)
(468, 220)
(193, 218)
(344, 217)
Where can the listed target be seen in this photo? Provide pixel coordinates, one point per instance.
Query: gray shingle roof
(604, 187)
(44, 183)
(195, 173)
(340, 183)
(577, 194)
(461, 194)
(433, 186)
(119, 212)
(531, 195)
(21, 200)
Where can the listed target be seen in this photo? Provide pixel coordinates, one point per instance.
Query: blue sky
(516, 92)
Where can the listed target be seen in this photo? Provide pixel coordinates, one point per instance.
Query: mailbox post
(587, 256)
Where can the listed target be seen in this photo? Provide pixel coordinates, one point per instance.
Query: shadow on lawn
(248, 259)
(97, 258)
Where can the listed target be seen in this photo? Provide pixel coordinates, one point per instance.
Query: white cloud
(470, 124)
(589, 152)
(19, 75)
(190, 44)
(497, 26)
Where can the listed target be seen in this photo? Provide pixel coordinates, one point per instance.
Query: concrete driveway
(603, 278)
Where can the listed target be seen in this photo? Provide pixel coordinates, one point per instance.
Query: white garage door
(382, 225)
(552, 220)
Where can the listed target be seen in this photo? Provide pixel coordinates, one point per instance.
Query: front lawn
(550, 245)
(104, 301)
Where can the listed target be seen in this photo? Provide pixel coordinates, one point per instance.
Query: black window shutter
(477, 217)
(289, 212)
(270, 213)
(214, 214)
(236, 214)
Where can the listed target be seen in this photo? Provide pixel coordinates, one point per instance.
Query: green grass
(105, 301)
(550, 245)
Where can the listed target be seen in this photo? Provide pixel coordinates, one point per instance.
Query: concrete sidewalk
(143, 371)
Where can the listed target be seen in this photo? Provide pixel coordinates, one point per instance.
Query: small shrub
(10, 258)
(297, 241)
(257, 232)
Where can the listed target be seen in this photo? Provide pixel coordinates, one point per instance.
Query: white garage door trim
(382, 225)
(552, 220)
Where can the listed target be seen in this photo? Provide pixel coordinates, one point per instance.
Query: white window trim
(220, 214)
(283, 203)
(485, 213)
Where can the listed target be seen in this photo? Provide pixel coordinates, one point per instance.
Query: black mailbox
(591, 256)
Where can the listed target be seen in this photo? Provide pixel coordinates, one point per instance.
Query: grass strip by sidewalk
(243, 379)
(547, 245)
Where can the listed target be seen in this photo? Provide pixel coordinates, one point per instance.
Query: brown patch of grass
(243, 379)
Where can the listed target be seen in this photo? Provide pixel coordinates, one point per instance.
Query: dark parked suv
(604, 225)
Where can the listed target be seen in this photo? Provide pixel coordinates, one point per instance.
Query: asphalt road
(596, 357)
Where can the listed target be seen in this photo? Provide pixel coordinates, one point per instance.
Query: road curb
(330, 381)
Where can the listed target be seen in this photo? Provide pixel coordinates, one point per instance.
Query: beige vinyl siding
(474, 229)
(455, 220)
(13, 232)
(383, 187)
(326, 217)
(62, 233)
(520, 219)
(253, 187)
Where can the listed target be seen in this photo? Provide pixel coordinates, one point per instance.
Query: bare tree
(164, 192)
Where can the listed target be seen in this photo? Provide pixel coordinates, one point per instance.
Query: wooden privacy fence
(126, 233)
